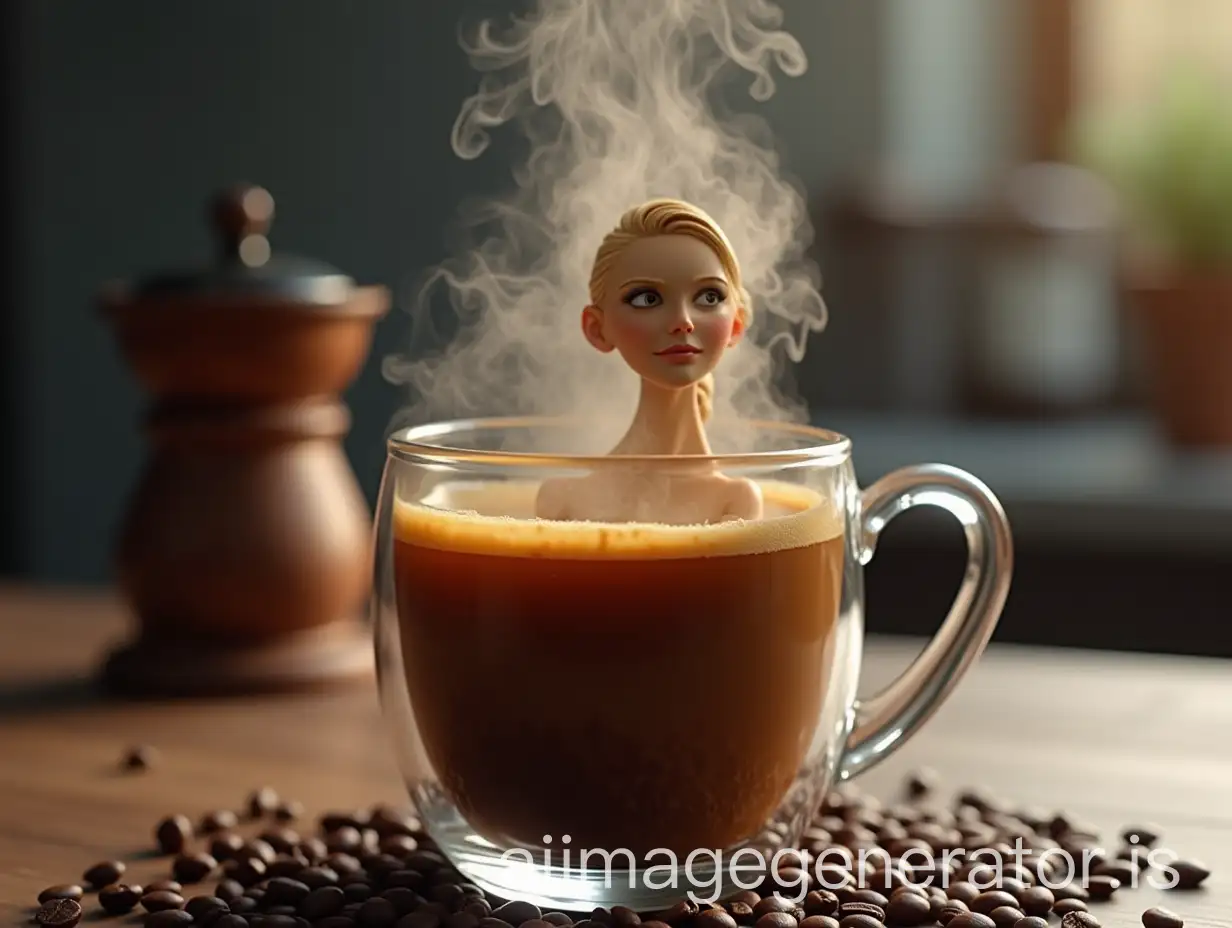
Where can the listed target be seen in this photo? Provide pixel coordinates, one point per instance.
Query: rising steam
(616, 99)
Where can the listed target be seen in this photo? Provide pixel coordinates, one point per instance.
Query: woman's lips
(677, 350)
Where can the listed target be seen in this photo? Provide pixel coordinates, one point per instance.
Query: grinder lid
(245, 267)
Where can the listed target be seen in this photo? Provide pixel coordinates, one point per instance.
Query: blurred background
(1023, 214)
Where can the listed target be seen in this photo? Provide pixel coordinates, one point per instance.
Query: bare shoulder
(744, 500)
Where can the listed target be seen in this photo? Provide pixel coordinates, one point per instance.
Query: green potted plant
(1170, 163)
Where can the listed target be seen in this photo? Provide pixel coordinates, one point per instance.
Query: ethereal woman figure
(666, 293)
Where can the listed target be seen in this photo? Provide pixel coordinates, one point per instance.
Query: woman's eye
(644, 299)
(710, 297)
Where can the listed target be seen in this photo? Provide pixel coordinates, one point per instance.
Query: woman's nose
(681, 322)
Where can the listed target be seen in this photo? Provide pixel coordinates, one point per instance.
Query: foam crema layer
(498, 518)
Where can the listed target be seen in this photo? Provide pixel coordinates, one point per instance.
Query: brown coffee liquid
(630, 686)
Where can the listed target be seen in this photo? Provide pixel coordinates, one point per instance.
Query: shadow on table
(30, 698)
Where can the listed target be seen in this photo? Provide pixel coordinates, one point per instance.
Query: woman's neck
(667, 421)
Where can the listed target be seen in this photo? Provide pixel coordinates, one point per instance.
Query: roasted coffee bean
(419, 920)
(243, 905)
(139, 757)
(858, 920)
(321, 903)
(247, 872)
(218, 820)
(449, 894)
(165, 886)
(623, 917)
(289, 810)
(281, 920)
(1070, 891)
(907, 910)
(1159, 917)
(783, 920)
(283, 890)
(768, 905)
(985, 902)
(1121, 870)
(949, 911)
(742, 912)
(377, 913)
(398, 845)
(316, 877)
(313, 849)
(1065, 906)
(287, 865)
(870, 896)
(172, 833)
(58, 913)
(193, 868)
(516, 912)
(561, 920)
(167, 918)
(104, 873)
(119, 898)
(259, 849)
(228, 890)
(261, 802)
(63, 891)
(201, 907)
(1003, 916)
(971, 920)
(963, 892)
(1037, 900)
(425, 861)
(820, 902)
(481, 909)
(861, 908)
(225, 844)
(1079, 920)
(921, 782)
(230, 921)
(359, 892)
(1145, 834)
(819, 921)
(282, 840)
(405, 900)
(1189, 873)
(1031, 921)
(466, 920)
(1101, 888)
(160, 899)
(714, 918)
(501, 923)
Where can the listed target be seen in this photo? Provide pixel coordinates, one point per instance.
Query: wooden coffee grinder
(245, 552)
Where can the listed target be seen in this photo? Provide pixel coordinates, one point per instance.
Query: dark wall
(128, 115)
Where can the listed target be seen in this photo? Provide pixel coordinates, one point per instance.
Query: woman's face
(668, 309)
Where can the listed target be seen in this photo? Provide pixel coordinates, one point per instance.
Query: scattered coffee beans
(377, 868)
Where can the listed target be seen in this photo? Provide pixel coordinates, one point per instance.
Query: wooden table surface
(1110, 739)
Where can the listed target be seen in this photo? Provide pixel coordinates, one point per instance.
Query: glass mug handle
(886, 720)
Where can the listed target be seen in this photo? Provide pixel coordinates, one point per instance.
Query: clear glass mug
(631, 714)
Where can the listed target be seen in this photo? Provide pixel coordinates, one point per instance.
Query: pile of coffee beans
(867, 865)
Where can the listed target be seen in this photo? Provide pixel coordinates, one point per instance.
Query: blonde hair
(665, 216)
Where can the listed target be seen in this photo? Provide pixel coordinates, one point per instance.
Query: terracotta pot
(245, 552)
(1186, 323)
